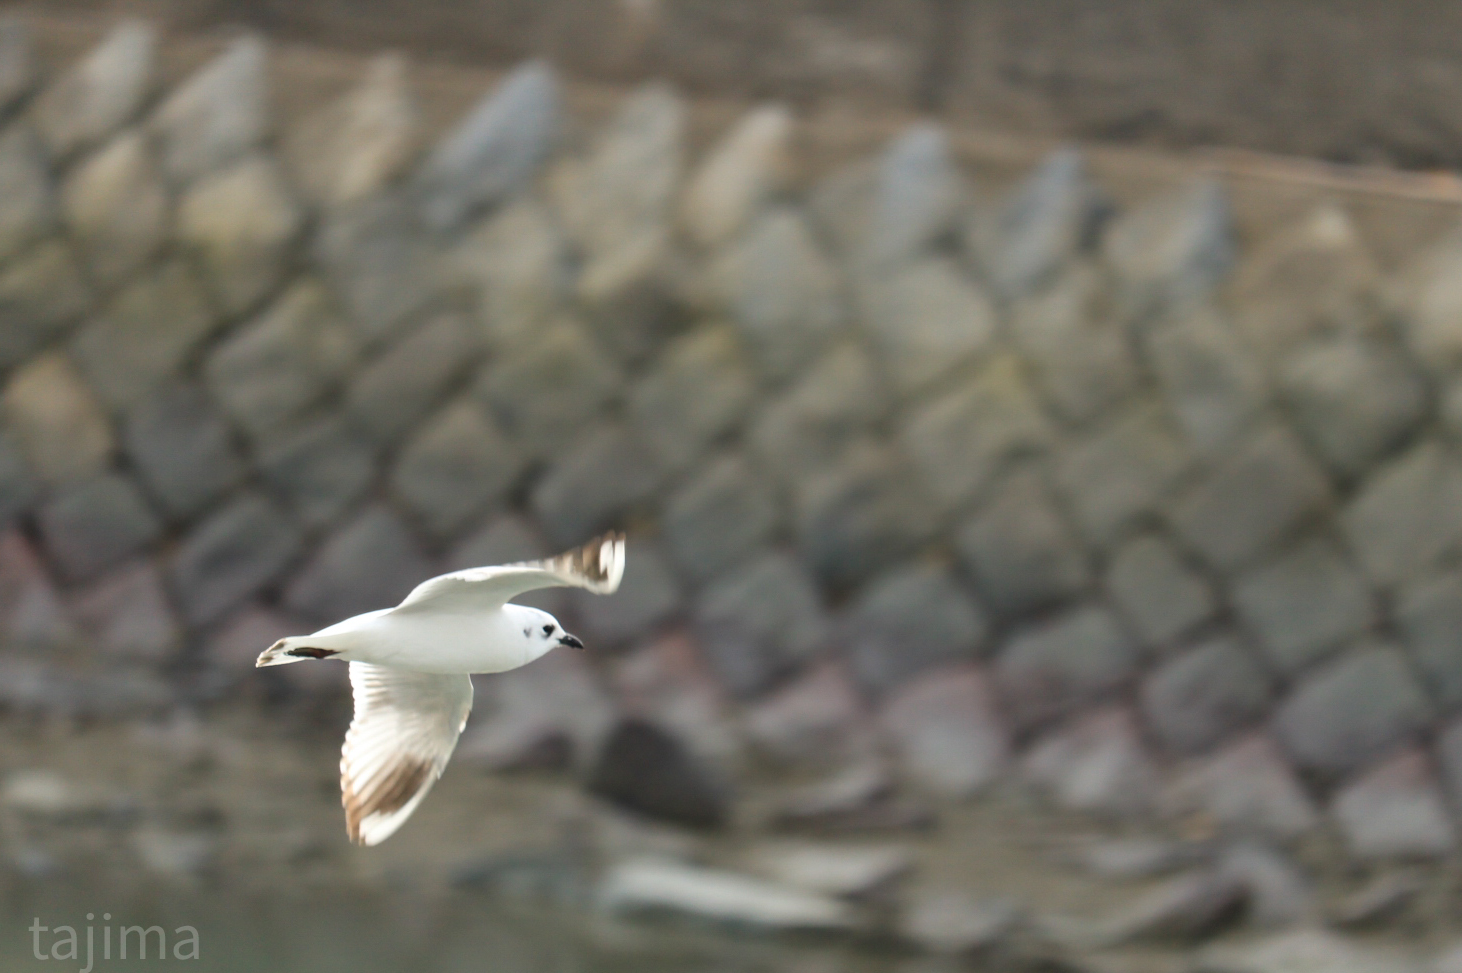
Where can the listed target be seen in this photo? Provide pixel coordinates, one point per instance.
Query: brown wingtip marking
(389, 793)
(586, 561)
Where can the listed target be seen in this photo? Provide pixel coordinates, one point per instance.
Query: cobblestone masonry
(1097, 497)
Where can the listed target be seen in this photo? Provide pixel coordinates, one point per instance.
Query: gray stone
(126, 614)
(1213, 384)
(1382, 899)
(370, 562)
(517, 265)
(40, 295)
(647, 770)
(738, 175)
(961, 438)
(1056, 664)
(816, 719)
(926, 320)
(1352, 710)
(27, 208)
(1261, 493)
(17, 59)
(648, 596)
(1427, 299)
(1079, 352)
(182, 449)
(1120, 472)
(353, 147)
(907, 620)
(781, 291)
(1429, 617)
(101, 93)
(954, 924)
(1195, 700)
(382, 263)
(1157, 591)
(144, 334)
(1352, 400)
(719, 518)
(1408, 515)
(946, 728)
(217, 115)
(95, 524)
(1049, 219)
(19, 488)
(917, 194)
(117, 208)
(1095, 763)
(319, 469)
(698, 391)
(401, 385)
(1395, 810)
(656, 886)
(1304, 603)
(857, 800)
(544, 393)
(230, 556)
(1278, 894)
(1172, 251)
(456, 466)
(1303, 951)
(509, 539)
(860, 516)
(495, 150)
(1183, 908)
(759, 622)
(605, 473)
(56, 422)
(841, 204)
(283, 361)
(810, 427)
(31, 611)
(1248, 787)
(846, 871)
(241, 223)
(532, 711)
(1449, 758)
(630, 295)
(1021, 550)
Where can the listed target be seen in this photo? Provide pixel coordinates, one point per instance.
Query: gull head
(541, 630)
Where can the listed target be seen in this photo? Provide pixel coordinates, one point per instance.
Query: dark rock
(218, 114)
(401, 385)
(1430, 619)
(719, 519)
(455, 467)
(953, 924)
(1171, 252)
(231, 555)
(40, 295)
(1049, 667)
(56, 422)
(95, 524)
(646, 770)
(182, 448)
(127, 614)
(29, 207)
(670, 683)
(1304, 603)
(1157, 592)
(649, 595)
(1396, 810)
(381, 260)
(319, 469)
(810, 427)
(1213, 384)
(699, 390)
(606, 472)
(1198, 698)
(18, 486)
(1096, 763)
(31, 612)
(117, 208)
(1120, 472)
(1408, 515)
(1379, 900)
(101, 93)
(760, 621)
(947, 730)
(372, 561)
(906, 620)
(1247, 787)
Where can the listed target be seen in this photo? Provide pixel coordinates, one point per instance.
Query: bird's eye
(548, 630)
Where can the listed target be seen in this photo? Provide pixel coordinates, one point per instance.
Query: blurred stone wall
(1019, 484)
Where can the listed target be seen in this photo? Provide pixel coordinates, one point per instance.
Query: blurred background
(1035, 425)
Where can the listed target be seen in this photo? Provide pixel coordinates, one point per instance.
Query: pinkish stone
(126, 613)
(1246, 787)
(1094, 763)
(946, 728)
(818, 718)
(669, 683)
(1395, 810)
(30, 609)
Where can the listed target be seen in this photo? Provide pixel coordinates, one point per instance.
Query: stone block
(817, 718)
(126, 614)
(100, 93)
(217, 115)
(760, 622)
(56, 422)
(1429, 617)
(40, 295)
(926, 319)
(629, 295)
(19, 488)
(1120, 472)
(1408, 515)
(284, 360)
(1350, 711)
(1053, 665)
(810, 426)
(509, 539)
(947, 730)
(517, 265)
(841, 206)
(95, 524)
(604, 474)
(1079, 353)
(17, 60)
(669, 683)
(182, 449)
(381, 262)
(1352, 400)
(1213, 384)
(1304, 603)
(27, 206)
(1196, 699)
(456, 466)
(718, 519)
(1395, 810)
(117, 208)
(1020, 549)
(390, 394)
(1426, 298)
(648, 770)
(241, 222)
(232, 554)
(648, 597)
(738, 175)
(319, 469)
(1095, 763)
(958, 440)
(495, 150)
(699, 390)
(31, 611)
(861, 515)
(907, 620)
(1262, 492)
(1247, 787)
(354, 146)
(1448, 752)
(543, 393)
(1161, 595)
(371, 561)
(918, 193)
(144, 334)
(1172, 251)
(781, 291)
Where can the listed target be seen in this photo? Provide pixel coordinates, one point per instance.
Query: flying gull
(411, 666)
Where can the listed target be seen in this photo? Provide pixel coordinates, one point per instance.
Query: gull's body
(411, 666)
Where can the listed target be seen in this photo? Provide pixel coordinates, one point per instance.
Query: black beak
(570, 640)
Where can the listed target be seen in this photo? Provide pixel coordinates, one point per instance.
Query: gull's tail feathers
(292, 649)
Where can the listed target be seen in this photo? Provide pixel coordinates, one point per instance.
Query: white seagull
(411, 666)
